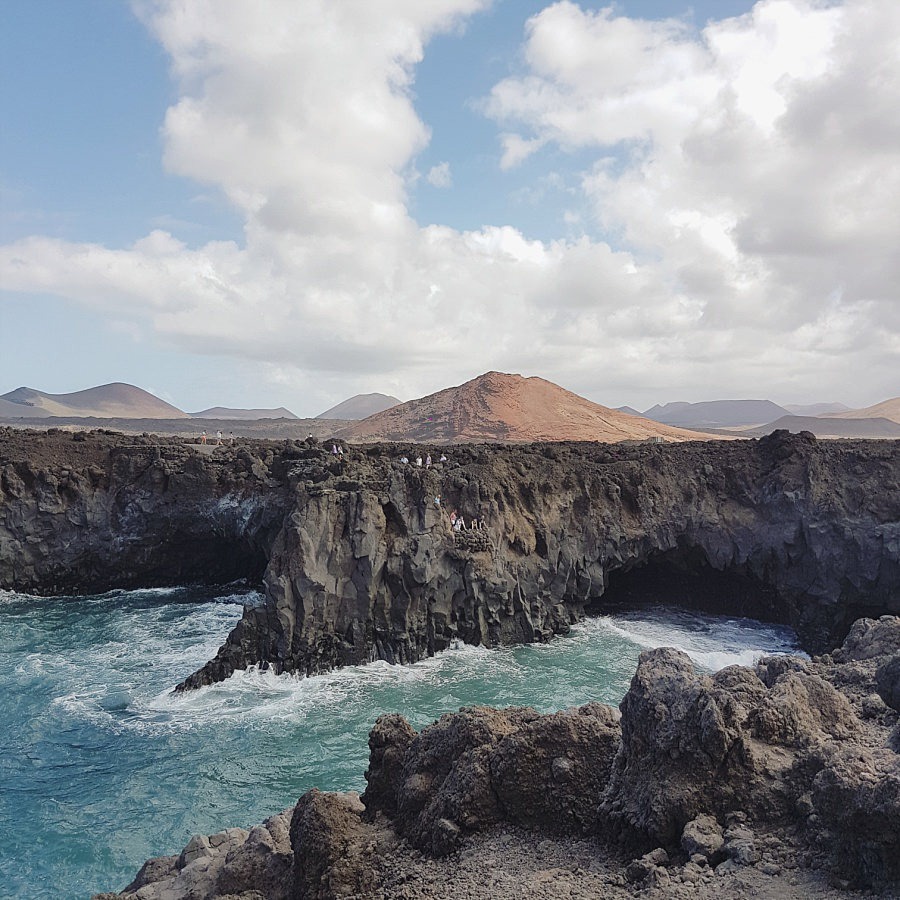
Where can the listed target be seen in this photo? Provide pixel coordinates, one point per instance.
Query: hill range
(360, 406)
(888, 409)
(243, 415)
(492, 407)
(717, 413)
(108, 401)
(508, 408)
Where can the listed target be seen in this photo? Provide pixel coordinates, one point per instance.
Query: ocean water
(101, 766)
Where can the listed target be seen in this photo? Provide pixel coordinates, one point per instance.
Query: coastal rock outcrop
(83, 513)
(473, 769)
(359, 561)
(769, 770)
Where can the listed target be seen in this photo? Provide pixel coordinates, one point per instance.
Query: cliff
(86, 512)
(359, 562)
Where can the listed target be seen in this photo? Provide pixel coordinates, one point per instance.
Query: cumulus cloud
(757, 165)
(750, 173)
(439, 176)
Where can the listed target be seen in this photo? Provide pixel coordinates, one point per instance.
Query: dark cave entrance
(685, 578)
(186, 558)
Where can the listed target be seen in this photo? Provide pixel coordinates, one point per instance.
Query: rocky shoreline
(359, 562)
(778, 781)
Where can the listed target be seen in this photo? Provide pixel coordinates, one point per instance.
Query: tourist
(419, 461)
(218, 438)
(428, 461)
(203, 438)
(437, 501)
(404, 460)
(334, 450)
(443, 458)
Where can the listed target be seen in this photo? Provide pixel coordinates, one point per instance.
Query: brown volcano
(499, 407)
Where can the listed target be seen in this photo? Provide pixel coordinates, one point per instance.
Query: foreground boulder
(480, 766)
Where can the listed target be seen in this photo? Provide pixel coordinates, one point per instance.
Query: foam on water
(103, 765)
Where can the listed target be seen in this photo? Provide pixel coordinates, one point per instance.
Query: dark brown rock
(358, 562)
(334, 849)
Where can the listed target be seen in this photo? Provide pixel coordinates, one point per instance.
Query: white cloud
(753, 172)
(439, 176)
(759, 169)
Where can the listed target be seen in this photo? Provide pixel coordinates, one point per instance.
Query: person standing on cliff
(218, 438)
(428, 461)
(203, 438)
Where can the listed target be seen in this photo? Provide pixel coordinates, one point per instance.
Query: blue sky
(622, 260)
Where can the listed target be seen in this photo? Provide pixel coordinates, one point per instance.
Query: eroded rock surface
(359, 561)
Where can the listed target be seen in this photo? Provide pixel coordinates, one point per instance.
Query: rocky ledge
(777, 781)
(359, 561)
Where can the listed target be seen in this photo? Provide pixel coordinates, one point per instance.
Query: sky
(262, 203)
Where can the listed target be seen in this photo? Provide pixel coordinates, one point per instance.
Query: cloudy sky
(286, 202)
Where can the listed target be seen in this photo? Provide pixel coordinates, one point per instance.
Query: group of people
(418, 461)
(458, 523)
(337, 450)
(219, 439)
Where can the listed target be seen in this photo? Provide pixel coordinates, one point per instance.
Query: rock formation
(86, 512)
(772, 781)
(359, 560)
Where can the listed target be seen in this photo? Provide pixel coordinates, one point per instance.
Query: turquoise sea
(101, 766)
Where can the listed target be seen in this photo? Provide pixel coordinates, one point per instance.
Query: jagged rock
(703, 836)
(801, 708)
(740, 846)
(684, 747)
(480, 766)
(358, 563)
(388, 742)
(887, 677)
(550, 773)
(231, 863)
(641, 869)
(870, 639)
(857, 799)
(334, 849)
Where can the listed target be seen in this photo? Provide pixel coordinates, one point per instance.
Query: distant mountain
(10, 410)
(244, 415)
(500, 407)
(717, 413)
(816, 409)
(831, 427)
(628, 410)
(888, 409)
(108, 401)
(360, 407)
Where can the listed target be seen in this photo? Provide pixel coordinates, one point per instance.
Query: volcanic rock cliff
(359, 560)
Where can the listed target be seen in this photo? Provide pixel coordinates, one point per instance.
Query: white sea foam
(712, 642)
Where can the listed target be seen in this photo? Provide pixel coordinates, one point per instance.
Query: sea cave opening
(209, 558)
(684, 577)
